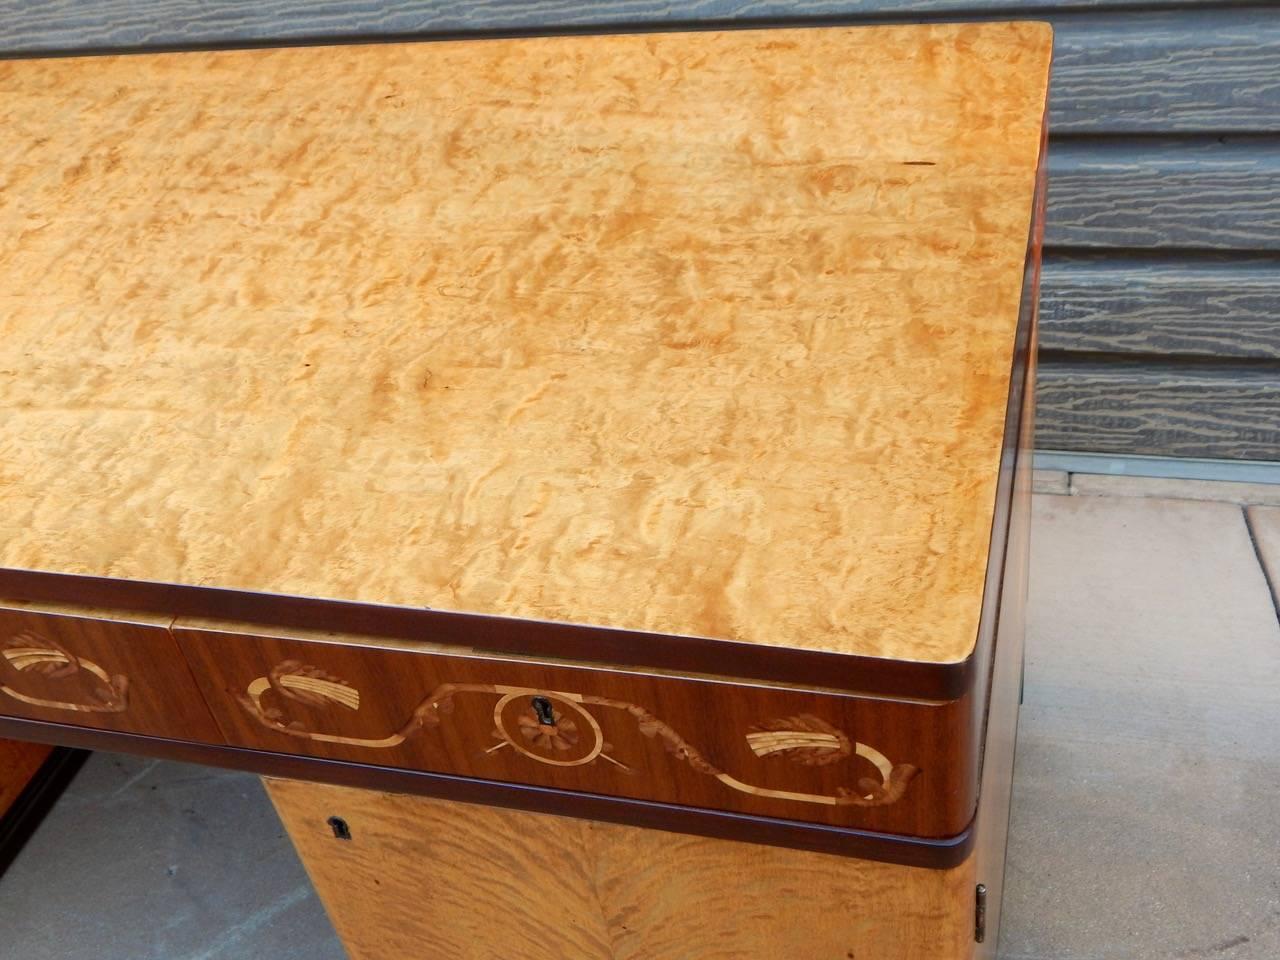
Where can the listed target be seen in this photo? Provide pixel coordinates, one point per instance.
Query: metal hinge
(980, 913)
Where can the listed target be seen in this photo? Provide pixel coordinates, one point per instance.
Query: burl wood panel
(891, 766)
(696, 333)
(94, 668)
(19, 762)
(477, 883)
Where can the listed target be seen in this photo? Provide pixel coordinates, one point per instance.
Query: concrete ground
(1146, 818)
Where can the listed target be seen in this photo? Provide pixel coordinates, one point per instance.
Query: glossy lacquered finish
(701, 335)
(863, 764)
(792, 753)
(623, 427)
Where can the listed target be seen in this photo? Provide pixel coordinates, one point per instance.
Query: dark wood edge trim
(1011, 446)
(986, 774)
(874, 676)
(36, 800)
(940, 854)
(1023, 367)
(983, 658)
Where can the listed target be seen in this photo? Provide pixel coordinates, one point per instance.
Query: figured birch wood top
(700, 333)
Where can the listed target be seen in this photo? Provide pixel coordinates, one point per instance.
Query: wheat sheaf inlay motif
(30, 656)
(557, 728)
(806, 740)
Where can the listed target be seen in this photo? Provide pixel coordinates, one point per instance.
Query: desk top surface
(702, 333)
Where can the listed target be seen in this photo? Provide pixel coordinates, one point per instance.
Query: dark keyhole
(543, 711)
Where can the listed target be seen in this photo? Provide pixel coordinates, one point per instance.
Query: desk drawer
(92, 668)
(889, 765)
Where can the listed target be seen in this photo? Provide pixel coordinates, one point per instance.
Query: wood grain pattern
(561, 358)
(88, 669)
(905, 767)
(1212, 196)
(1225, 307)
(589, 414)
(19, 762)
(504, 884)
(1160, 410)
(1197, 67)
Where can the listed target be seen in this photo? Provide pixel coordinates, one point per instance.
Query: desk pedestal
(423, 877)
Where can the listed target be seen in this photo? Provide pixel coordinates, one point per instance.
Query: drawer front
(94, 672)
(892, 766)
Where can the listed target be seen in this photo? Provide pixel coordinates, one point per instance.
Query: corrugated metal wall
(1161, 299)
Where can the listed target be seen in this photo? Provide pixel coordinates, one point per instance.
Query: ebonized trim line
(939, 854)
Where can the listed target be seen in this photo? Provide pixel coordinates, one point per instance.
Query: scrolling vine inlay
(573, 736)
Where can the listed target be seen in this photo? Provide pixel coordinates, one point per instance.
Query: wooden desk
(631, 432)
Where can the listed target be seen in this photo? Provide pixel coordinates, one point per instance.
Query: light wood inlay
(699, 334)
(891, 766)
(518, 726)
(28, 653)
(479, 883)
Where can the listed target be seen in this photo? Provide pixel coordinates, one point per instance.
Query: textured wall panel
(1171, 195)
(1167, 146)
(1174, 307)
(1149, 409)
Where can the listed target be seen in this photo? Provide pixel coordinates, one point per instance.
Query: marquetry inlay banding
(573, 736)
(573, 739)
(339, 693)
(26, 658)
(766, 743)
(30, 655)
